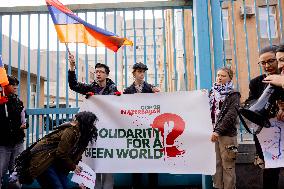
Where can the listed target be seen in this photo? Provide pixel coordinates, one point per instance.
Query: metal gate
(182, 42)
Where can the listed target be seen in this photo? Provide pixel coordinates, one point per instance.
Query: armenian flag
(3, 75)
(72, 29)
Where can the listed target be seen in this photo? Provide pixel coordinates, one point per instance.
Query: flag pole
(68, 49)
(5, 105)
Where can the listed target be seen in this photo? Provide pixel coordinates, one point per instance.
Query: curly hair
(87, 124)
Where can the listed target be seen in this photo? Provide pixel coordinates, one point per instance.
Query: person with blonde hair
(224, 102)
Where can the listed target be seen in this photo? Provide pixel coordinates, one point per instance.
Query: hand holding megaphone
(277, 80)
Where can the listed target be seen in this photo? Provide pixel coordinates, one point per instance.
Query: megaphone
(261, 111)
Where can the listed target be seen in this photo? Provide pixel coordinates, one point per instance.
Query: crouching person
(58, 153)
(224, 102)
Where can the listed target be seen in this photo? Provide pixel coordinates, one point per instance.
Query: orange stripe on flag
(3, 77)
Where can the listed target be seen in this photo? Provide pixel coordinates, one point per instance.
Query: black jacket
(227, 119)
(147, 88)
(256, 88)
(10, 131)
(84, 88)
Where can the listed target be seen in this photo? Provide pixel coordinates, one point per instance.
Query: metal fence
(247, 27)
(30, 48)
(182, 42)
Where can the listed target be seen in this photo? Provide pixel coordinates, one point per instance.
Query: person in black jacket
(13, 123)
(224, 102)
(268, 62)
(101, 86)
(141, 86)
(278, 80)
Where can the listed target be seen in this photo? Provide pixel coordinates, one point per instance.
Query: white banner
(87, 176)
(158, 133)
(272, 144)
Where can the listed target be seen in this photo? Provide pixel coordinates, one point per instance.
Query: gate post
(203, 56)
(217, 34)
(202, 44)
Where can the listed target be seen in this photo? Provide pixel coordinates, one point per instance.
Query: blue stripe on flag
(62, 18)
(1, 62)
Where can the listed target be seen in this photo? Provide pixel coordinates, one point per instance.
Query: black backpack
(22, 164)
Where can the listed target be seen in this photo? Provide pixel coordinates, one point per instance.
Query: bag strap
(246, 126)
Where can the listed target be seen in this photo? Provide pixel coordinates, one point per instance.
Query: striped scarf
(217, 96)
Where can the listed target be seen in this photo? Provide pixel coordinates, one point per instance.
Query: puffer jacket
(10, 131)
(147, 88)
(227, 119)
(94, 87)
(58, 148)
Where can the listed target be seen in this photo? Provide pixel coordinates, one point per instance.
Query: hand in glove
(3, 100)
(88, 94)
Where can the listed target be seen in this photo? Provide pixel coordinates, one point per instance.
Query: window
(33, 96)
(263, 22)
(229, 63)
(225, 24)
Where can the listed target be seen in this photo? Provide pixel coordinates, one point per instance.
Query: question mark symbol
(178, 129)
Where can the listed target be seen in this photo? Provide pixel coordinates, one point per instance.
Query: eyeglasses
(100, 71)
(269, 62)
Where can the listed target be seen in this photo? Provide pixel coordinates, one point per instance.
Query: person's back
(56, 154)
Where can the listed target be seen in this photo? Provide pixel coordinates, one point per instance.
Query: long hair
(87, 125)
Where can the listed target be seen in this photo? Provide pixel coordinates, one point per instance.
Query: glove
(3, 100)
(117, 93)
(88, 94)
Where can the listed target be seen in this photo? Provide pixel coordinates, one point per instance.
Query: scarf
(217, 96)
(139, 88)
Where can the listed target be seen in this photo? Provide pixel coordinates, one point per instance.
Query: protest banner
(160, 133)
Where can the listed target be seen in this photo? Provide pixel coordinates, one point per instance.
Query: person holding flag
(101, 86)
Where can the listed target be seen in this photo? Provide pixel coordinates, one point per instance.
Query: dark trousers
(270, 176)
(52, 178)
(138, 184)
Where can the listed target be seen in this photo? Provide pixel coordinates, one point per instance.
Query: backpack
(22, 164)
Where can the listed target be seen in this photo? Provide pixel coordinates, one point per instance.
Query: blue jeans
(8, 155)
(52, 178)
